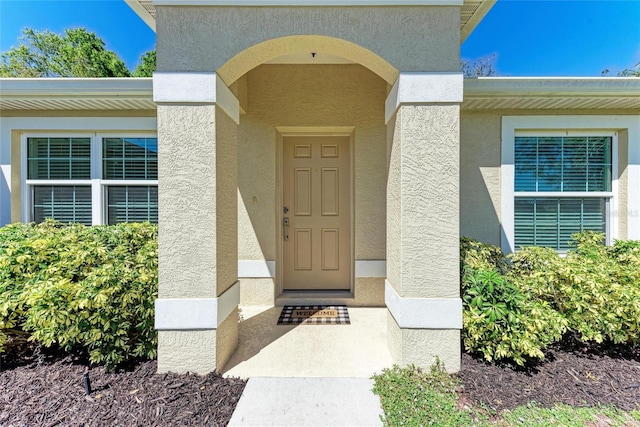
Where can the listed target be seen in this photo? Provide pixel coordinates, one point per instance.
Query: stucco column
(197, 306)
(422, 290)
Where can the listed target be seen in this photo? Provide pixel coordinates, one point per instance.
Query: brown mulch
(45, 387)
(48, 390)
(572, 373)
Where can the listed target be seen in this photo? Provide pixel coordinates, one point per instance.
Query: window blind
(550, 222)
(132, 204)
(63, 203)
(130, 158)
(59, 158)
(566, 164)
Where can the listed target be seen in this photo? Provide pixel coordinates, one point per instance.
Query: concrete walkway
(302, 402)
(309, 375)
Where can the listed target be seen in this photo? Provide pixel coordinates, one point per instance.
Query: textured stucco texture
(197, 201)
(187, 351)
(425, 38)
(623, 184)
(422, 202)
(420, 347)
(198, 351)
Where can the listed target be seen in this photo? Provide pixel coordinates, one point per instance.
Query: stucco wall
(422, 201)
(480, 176)
(623, 184)
(205, 38)
(197, 143)
(312, 96)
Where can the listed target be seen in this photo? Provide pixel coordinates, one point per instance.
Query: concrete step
(305, 402)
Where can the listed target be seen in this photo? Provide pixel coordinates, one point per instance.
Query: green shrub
(77, 286)
(475, 255)
(596, 287)
(502, 322)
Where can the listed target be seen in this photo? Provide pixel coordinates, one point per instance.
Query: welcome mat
(314, 315)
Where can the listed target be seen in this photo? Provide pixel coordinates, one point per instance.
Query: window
(92, 179)
(562, 186)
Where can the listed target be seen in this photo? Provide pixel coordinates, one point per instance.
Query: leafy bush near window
(515, 306)
(81, 287)
(595, 287)
(500, 320)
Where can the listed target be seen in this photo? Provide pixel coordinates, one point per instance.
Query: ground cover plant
(77, 287)
(412, 397)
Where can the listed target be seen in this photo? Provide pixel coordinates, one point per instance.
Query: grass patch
(411, 397)
(567, 416)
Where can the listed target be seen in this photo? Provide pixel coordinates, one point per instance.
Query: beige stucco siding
(206, 38)
(196, 143)
(480, 176)
(623, 184)
(422, 202)
(313, 97)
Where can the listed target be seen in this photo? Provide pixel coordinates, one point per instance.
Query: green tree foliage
(76, 53)
(147, 65)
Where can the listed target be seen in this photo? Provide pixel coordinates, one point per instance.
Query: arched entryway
(333, 93)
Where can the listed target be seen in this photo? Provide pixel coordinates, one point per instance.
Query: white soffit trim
(424, 88)
(256, 269)
(195, 88)
(423, 313)
(308, 2)
(371, 268)
(196, 313)
(143, 13)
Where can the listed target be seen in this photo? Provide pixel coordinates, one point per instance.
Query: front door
(316, 213)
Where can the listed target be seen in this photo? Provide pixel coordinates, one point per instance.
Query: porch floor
(267, 349)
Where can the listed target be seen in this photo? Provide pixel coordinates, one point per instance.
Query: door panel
(317, 202)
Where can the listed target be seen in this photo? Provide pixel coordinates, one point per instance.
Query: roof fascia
(125, 87)
(506, 87)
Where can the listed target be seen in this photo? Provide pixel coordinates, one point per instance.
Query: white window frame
(513, 126)
(99, 214)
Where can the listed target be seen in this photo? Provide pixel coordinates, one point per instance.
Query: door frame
(320, 131)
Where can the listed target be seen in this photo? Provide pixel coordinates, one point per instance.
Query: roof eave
(475, 19)
(551, 86)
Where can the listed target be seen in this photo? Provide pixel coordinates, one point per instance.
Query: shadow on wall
(480, 162)
(5, 195)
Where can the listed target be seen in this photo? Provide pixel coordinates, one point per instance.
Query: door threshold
(306, 297)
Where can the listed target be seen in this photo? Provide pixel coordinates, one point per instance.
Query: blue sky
(528, 37)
